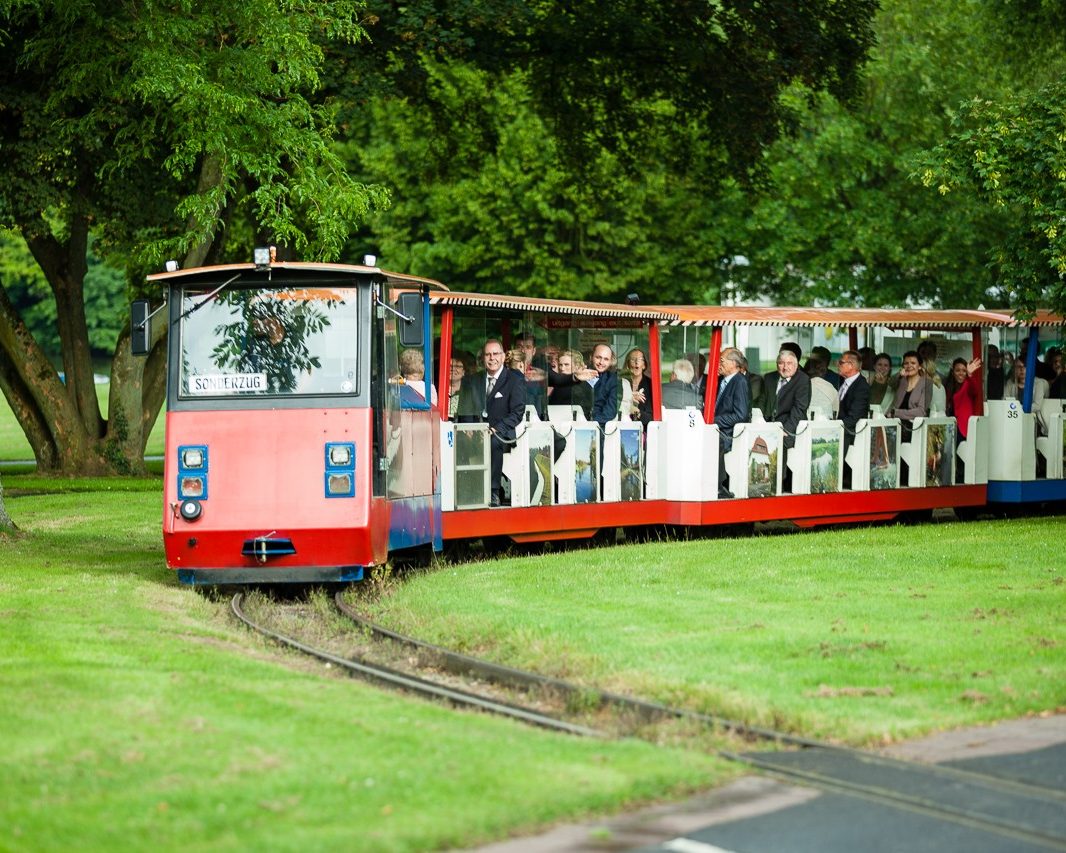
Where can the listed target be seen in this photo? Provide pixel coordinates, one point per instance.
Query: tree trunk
(5, 520)
(63, 422)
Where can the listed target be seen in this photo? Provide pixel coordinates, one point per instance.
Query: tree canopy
(158, 130)
(1011, 155)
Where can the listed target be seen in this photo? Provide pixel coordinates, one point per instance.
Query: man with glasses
(854, 401)
(496, 396)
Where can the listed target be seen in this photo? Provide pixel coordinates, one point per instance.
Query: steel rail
(457, 662)
(421, 686)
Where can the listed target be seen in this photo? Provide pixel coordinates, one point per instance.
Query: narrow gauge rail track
(1008, 808)
(424, 687)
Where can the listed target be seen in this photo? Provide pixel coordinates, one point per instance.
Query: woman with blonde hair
(938, 399)
(579, 394)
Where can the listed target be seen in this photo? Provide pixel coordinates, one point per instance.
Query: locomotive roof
(553, 306)
(894, 318)
(298, 269)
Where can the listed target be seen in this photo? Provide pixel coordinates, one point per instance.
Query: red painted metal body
(535, 524)
(266, 477)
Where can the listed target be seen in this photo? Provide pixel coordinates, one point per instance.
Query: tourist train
(312, 428)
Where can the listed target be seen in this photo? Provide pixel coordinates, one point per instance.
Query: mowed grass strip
(15, 447)
(862, 635)
(139, 715)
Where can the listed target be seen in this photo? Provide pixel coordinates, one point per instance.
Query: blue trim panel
(310, 574)
(1026, 491)
(414, 521)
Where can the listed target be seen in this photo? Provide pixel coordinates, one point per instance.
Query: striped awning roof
(395, 279)
(892, 318)
(553, 306)
(1043, 317)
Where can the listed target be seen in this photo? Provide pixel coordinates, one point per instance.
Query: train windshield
(281, 341)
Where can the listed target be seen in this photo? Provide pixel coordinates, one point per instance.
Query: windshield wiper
(206, 299)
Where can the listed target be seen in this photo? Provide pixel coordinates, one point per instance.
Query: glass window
(268, 342)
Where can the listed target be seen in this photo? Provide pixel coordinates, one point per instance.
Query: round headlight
(190, 510)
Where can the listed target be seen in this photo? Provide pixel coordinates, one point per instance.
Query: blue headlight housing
(340, 469)
(192, 472)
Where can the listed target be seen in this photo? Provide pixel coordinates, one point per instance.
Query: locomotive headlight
(339, 485)
(192, 457)
(190, 510)
(340, 455)
(191, 487)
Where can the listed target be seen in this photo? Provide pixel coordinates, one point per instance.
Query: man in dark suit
(731, 407)
(793, 398)
(607, 392)
(496, 396)
(767, 401)
(854, 401)
(792, 388)
(679, 392)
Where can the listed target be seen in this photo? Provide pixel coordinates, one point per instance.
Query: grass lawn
(13, 444)
(139, 715)
(865, 635)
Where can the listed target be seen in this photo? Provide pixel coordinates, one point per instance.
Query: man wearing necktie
(496, 396)
(731, 407)
(854, 401)
(793, 395)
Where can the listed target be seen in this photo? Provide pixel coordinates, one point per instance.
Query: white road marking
(687, 845)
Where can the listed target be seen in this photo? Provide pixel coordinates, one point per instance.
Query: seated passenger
(913, 394)
(636, 376)
(964, 401)
(496, 396)
(572, 363)
(606, 389)
(1014, 388)
(819, 361)
(994, 373)
(455, 382)
(518, 360)
(880, 385)
(854, 402)
(413, 371)
(823, 393)
(679, 392)
(732, 406)
(938, 402)
(1057, 388)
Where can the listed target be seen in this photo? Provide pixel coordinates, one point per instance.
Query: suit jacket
(792, 403)
(921, 397)
(732, 407)
(606, 397)
(767, 399)
(678, 395)
(503, 411)
(854, 406)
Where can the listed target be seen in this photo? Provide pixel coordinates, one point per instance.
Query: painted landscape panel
(826, 452)
(632, 465)
(884, 462)
(587, 465)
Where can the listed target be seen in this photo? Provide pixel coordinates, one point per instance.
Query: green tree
(1011, 155)
(158, 129)
(618, 75)
(516, 219)
(840, 220)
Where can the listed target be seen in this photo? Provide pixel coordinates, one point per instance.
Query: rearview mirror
(411, 331)
(140, 327)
